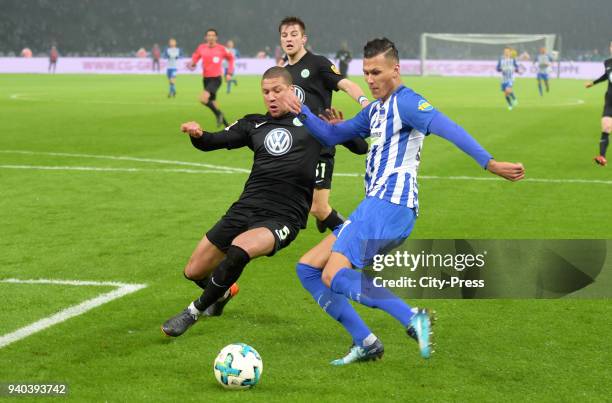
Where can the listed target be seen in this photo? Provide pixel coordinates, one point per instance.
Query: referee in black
(315, 78)
(272, 208)
(606, 118)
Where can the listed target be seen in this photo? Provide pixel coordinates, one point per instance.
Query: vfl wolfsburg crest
(278, 141)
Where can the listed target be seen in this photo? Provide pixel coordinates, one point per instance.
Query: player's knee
(327, 278)
(204, 98)
(193, 272)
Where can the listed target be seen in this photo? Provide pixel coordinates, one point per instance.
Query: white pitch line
(126, 158)
(110, 169)
(343, 174)
(70, 312)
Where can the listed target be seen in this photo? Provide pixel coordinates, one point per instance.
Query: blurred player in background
(228, 84)
(53, 57)
(270, 211)
(155, 56)
(172, 54)
(507, 66)
(606, 119)
(398, 121)
(543, 62)
(344, 59)
(315, 78)
(212, 54)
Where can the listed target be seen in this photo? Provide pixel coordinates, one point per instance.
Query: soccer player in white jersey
(543, 62)
(172, 54)
(397, 122)
(507, 66)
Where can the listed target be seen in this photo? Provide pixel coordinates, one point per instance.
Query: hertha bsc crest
(278, 141)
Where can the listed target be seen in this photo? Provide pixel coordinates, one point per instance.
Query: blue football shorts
(375, 227)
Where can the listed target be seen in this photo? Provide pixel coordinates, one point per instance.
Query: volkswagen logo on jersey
(299, 92)
(216, 59)
(278, 141)
(305, 73)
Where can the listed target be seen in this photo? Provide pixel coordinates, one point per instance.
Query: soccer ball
(238, 366)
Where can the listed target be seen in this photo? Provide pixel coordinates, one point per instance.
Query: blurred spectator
(26, 52)
(344, 58)
(53, 56)
(142, 53)
(155, 56)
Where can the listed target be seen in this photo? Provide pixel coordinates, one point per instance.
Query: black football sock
(223, 277)
(213, 108)
(603, 143)
(333, 220)
(200, 283)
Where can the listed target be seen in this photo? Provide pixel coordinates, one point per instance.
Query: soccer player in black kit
(314, 79)
(606, 119)
(272, 208)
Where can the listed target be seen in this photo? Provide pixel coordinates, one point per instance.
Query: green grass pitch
(89, 215)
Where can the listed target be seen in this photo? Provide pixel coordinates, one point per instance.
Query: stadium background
(114, 27)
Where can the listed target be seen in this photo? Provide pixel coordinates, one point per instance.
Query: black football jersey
(314, 78)
(607, 76)
(285, 157)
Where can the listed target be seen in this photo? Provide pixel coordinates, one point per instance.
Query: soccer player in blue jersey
(172, 54)
(543, 62)
(397, 122)
(232, 49)
(507, 66)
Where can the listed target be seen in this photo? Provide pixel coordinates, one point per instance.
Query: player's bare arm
(354, 91)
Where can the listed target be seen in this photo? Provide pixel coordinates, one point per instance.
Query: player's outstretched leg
(360, 288)
(219, 284)
(366, 346)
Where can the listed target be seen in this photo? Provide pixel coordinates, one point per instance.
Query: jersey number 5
(282, 233)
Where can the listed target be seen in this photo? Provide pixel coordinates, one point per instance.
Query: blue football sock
(512, 95)
(540, 88)
(360, 288)
(172, 88)
(335, 305)
(508, 100)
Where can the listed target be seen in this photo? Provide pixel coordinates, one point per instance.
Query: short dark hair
(212, 30)
(381, 45)
(276, 71)
(292, 21)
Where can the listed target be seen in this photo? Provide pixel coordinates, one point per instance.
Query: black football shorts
(212, 84)
(325, 170)
(240, 218)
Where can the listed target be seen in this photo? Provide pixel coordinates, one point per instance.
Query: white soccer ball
(238, 366)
